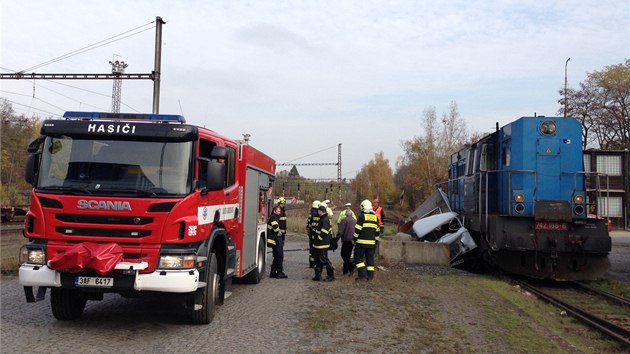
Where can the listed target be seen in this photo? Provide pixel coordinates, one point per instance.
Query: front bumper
(168, 281)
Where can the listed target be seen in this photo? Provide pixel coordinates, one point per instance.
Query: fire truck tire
(210, 294)
(256, 275)
(67, 304)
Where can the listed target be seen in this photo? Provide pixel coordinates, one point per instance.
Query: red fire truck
(142, 204)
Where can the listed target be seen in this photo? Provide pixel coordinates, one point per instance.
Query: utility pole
(155, 75)
(565, 87)
(157, 64)
(118, 68)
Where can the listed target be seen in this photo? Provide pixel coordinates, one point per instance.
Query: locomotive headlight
(32, 255)
(548, 127)
(578, 199)
(519, 197)
(177, 261)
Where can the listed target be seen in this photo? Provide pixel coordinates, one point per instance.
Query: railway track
(613, 322)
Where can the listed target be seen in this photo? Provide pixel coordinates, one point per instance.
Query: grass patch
(530, 325)
(612, 286)
(9, 266)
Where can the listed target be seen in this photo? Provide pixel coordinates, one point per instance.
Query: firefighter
(321, 243)
(380, 214)
(345, 232)
(276, 241)
(366, 236)
(328, 209)
(283, 216)
(311, 225)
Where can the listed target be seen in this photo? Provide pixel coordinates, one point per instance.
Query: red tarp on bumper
(101, 258)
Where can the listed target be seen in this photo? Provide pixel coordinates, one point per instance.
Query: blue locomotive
(522, 194)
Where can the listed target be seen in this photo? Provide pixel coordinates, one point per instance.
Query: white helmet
(366, 205)
(315, 204)
(324, 203)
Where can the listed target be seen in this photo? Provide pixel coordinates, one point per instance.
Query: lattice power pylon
(118, 68)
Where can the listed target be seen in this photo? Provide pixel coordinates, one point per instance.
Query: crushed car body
(433, 221)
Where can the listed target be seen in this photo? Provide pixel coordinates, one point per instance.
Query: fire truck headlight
(578, 199)
(177, 261)
(519, 198)
(32, 255)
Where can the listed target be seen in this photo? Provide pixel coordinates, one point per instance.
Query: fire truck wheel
(256, 275)
(210, 293)
(67, 304)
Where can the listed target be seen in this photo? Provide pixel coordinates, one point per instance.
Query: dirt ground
(429, 309)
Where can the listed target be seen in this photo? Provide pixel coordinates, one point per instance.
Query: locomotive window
(474, 152)
(488, 159)
(505, 157)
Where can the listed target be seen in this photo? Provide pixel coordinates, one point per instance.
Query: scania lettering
(142, 205)
(105, 205)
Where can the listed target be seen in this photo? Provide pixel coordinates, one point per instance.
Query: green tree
(294, 172)
(376, 180)
(425, 162)
(602, 104)
(17, 131)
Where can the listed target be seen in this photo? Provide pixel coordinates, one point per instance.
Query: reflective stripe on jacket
(323, 232)
(366, 230)
(283, 221)
(273, 228)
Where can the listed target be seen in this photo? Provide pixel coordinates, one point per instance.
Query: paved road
(263, 318)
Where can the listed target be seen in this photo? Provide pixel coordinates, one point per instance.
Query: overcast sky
(304, 76)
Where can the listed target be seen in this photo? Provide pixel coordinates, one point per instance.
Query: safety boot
(318, 274)
(330, 273)
(274, 271)
(281, 274)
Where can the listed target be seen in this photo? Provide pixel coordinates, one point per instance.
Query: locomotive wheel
(205, 314)
(256, 275)
(67, 304)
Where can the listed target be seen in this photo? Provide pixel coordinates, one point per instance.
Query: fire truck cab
(140, 204)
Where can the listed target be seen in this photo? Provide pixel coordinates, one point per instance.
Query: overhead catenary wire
(316, 152)
(92, 46)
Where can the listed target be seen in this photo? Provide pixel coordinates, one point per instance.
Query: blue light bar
(124, 116)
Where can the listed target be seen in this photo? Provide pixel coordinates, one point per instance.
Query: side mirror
(32, 169)
(33, 146)
(215, 176)
(219, 152)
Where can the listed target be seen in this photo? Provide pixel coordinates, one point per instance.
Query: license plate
(94, 282)
(554, 226)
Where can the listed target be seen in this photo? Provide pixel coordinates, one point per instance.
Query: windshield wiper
(80, 189)
(142, 192)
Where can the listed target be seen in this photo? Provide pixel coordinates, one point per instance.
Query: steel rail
(608, 296)
(618, 333)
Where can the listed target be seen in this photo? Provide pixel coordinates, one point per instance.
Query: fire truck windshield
(89, 166)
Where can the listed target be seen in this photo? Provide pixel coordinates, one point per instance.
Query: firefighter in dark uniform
(283, 216)
(366, 235)
(321, 243)
(282, 222)
(311, 225)
(274, 240)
